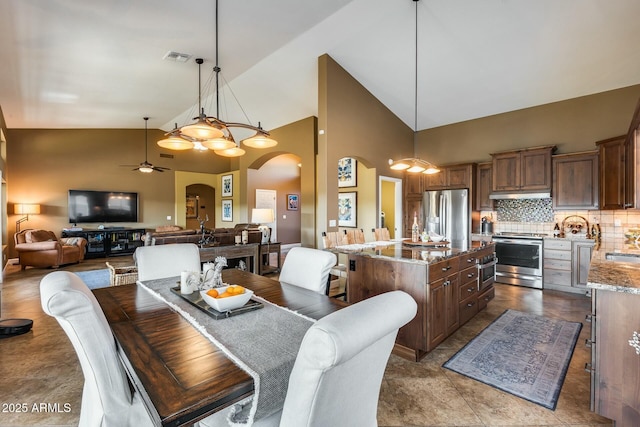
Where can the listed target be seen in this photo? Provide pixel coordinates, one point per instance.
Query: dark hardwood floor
(41, 380)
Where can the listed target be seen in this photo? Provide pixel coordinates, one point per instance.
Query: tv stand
(112, 241)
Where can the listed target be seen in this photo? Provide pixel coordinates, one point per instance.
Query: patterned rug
(520, 353)
(95, 279)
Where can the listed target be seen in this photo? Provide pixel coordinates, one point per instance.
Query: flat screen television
(102, 206)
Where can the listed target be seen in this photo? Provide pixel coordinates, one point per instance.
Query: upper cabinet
(523, 170)
(451, 176)
(613, 156)
(484, 173)
(575, 181)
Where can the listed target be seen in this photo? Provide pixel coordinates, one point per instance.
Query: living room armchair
(41, 248)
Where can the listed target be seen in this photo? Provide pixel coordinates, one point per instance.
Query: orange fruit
(235, 290)
(212, 293)
(224, 295)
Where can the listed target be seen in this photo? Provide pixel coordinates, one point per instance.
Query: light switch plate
(332, 223)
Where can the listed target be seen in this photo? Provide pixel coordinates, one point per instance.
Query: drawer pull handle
(470, 260)
(470, 275)
(447, 268)
(471, 304)
(446, 283)
(635, 342)
(588, 318)
(589, 368)
(588, 342)
(471, 290)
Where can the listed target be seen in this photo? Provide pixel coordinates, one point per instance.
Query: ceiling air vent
(176, 56)
(166, 156)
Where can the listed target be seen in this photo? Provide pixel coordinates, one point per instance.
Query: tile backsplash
(613, 224)
(524, 210)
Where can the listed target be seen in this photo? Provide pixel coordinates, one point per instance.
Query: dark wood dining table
(181, 375)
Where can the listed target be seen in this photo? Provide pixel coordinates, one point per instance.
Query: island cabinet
(523, 170)
(446, 290)
(615, 362)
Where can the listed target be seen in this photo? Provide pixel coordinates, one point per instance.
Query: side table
(265, 264)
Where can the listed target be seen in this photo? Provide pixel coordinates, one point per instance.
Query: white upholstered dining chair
(308, 268)
(338, 371)
(157, 262)
(107, 399)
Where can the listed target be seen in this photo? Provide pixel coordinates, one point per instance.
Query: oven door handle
(489, 264)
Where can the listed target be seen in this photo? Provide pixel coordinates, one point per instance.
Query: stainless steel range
(519, 259)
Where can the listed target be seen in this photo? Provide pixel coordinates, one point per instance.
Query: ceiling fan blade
(161, 168)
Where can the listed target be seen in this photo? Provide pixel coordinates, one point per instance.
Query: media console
(109, 241)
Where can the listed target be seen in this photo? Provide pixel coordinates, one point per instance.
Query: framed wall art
(227, 210)
(192, 207)
(347, 171)
(292, 202)
(227, 185)
(347, 213)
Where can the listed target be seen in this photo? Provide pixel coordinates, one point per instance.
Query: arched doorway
(200, 203)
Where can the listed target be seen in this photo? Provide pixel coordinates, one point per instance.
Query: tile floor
(41, 380)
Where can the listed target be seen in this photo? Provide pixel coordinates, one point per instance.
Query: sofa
(41, 248)
(217, 236)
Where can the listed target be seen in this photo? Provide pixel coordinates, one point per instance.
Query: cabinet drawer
(485, 297)
(443, 268)
(557, 244)
(467, 289)
(557, 277)
(468, 308)
(468, 274)
(557, 264)
(557, 254)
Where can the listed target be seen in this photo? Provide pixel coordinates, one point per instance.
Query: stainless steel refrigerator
(448, 213)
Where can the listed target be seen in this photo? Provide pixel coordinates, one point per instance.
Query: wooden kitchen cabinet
(451, 176)
(575, 181)
(615, 365)
(581, 252)
(413, 183)
(436, 288)
(523, 170)
(484, 175)
(612, 155)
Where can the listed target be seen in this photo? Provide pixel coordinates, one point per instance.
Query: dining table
(181, 374)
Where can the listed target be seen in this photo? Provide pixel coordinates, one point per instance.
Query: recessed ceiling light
(176, 56)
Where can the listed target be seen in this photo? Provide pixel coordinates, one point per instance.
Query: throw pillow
(34, 236)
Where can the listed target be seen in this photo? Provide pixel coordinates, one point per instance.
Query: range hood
(520, 195)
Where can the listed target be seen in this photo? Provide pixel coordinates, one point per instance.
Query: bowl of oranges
(226, 298)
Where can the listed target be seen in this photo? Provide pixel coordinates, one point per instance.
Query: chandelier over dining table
(211, 132)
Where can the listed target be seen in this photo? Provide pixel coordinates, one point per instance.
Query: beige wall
(572, 125)
(357, 125)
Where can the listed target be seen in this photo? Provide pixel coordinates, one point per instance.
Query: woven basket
(122, 275)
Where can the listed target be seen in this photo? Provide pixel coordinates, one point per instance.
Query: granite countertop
(617, 276)
(412, 254)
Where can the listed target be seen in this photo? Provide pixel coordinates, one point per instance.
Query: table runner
(262, 342)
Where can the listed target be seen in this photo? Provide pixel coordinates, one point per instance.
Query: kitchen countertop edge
(615, 276)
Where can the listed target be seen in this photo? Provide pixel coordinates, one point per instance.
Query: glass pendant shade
(431, 170)
(231, 152)
(201, 130)
(175, 143)
(221, 143)
(260, 140)
(415, 168)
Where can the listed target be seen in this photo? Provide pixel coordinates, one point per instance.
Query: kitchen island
(615, 335)
(449, 285)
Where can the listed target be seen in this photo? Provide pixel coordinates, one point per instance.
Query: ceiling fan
(146, 167)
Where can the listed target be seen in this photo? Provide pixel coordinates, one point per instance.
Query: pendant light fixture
(211, 132)
(413, 164)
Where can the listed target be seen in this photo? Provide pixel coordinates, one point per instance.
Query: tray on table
(196, 300)
(441, 244)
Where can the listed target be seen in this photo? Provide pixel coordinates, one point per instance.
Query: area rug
(95, 279)
(520, 353)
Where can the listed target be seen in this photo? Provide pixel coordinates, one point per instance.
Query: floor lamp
(262, 217)
(25, 209)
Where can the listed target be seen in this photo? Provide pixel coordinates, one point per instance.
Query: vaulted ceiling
(99, 64)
